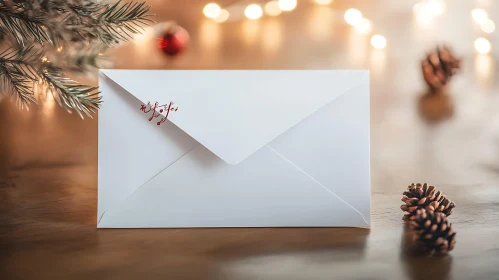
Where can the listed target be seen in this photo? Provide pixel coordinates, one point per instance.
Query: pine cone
(433, 231)
(439, 66)
(425, 197)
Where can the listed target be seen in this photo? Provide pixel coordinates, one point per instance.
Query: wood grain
(48, 160)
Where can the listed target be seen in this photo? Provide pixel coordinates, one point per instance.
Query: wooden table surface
(48, 158)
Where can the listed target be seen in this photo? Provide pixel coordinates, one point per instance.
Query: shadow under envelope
(342, 243)
(287, 253)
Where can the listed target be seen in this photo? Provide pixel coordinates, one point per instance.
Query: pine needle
(42, 27)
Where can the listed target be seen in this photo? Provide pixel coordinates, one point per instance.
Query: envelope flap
(235, 113)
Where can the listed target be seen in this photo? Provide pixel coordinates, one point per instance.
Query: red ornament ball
(174, 39)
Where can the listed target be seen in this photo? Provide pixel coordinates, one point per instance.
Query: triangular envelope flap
(235, 113)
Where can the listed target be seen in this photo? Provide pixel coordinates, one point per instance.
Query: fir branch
(80, 60)
(71, 95)
(24, 26)
(111, 24)
(40, 27)
(18, 73)
(24, 60)
(21, 69)
(50, 21)
(18, 84)
(83, 60)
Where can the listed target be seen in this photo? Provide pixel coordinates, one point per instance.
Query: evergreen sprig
(24, 26)
(74, 33)
(112, 24)
(22, 69)
(71, 95)
(18, 73)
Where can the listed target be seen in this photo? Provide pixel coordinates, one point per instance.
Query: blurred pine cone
(433, 231)
(425, 197)
(439, 66)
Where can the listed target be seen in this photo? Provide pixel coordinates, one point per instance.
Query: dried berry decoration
(426, 197)
(439, 66)
(433, 231)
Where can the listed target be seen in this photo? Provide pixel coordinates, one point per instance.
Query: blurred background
(390, 38)
(450, 138)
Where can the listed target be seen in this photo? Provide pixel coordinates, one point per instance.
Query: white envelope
(245, 149)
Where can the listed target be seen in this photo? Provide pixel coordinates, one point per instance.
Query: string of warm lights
(482, 45)
(428, 9)
(424, 10)
(274, 8)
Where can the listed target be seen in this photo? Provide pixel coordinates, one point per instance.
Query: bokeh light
(489, 26)
(321, 24)
(272, 8)
(482, 45)
(271, 37)
(418, 7)
(378, 42)
(323, 2)
(212, 10)
(253, 11)
(353, 16)
(436, 7)
(479, 16)
(423, 15)
(287, 5)
(364, 26)
(484, 69)
(223, 16)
